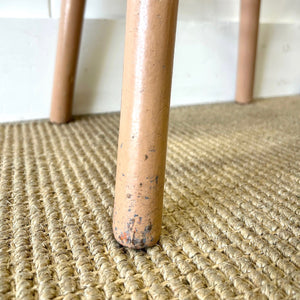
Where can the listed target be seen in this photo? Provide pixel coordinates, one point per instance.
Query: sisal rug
(231, 208)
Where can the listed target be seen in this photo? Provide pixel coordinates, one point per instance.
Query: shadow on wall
(277, 51)
(273, 49)
(264, 39)
(100, 62)
(201, 73)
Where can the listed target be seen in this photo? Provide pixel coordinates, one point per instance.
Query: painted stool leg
(71, 20)
(249, 23)
(148, 64)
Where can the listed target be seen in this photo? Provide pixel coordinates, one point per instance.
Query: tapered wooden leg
(66, 59)
(149, 49)
(249, 23)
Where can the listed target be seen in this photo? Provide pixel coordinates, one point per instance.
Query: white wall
(205, 56)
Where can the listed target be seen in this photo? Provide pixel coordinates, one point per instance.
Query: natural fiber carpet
(231, 208)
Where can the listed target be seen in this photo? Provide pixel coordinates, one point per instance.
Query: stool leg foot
(249, 23)
(66, 60)
(148, 64)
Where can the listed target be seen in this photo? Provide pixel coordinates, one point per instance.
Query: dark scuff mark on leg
(148, 228)
(152, 179)
(130, 224)
(132, 237)
(146, 156)
(128, 238)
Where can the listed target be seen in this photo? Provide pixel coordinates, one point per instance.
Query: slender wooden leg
(249, 23)
(66, 60)
(148, 64)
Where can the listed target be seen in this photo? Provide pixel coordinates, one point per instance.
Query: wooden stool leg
(66, 60)
(148, 64)
(249, 23)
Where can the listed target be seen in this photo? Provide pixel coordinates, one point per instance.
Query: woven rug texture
(231, 208)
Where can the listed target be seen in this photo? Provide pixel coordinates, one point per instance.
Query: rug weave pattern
(231, 219)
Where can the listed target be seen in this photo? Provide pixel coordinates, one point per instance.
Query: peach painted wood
(148, 63)
(66, 59)
(249, 24)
